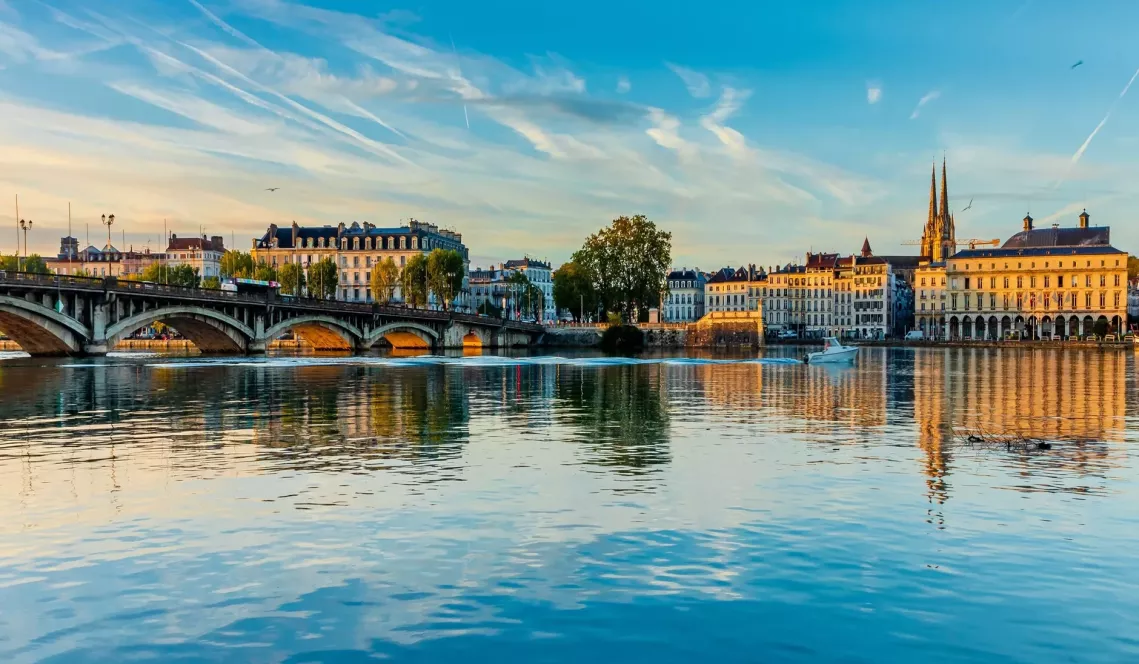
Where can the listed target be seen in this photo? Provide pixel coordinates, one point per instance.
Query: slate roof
(1060, 237)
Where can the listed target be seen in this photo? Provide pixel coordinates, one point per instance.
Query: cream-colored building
(1043, 282)
(355, 249)
(106, 262)
(200, 253)
(734, 290)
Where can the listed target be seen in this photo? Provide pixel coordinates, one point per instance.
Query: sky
(752, 131)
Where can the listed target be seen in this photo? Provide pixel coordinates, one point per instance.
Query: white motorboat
(832, 352)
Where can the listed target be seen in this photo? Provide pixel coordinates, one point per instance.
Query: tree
(445, 273)
(385, 278)
(180, 275)
(212, 283)
(322, 279)
(627, 262)
(236, 264)
(36, 265)
(573, 290)
(292, 278)
(264, 272)
(414, 281)
(1132, 267)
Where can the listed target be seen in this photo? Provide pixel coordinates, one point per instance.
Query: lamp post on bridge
(25, 225)
(108, 221)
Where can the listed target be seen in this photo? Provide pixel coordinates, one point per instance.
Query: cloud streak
(927, 98)
(697, 83)
(1087, 141)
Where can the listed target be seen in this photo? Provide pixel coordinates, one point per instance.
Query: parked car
(915, 335)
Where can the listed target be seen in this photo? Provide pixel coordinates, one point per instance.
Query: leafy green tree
(9, 263)
(385, 279)
(35, 264)
(212, 283)
(236, 264)
(414, 281)
(264, 272)
(627, 262)
(1132, 267)
(181, 275)
(292, 278)
(445, 273)
(322, 279)
(573, 291)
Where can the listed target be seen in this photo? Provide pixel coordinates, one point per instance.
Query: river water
(546, 509)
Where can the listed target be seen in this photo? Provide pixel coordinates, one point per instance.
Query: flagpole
(17, 232)
(69, 252)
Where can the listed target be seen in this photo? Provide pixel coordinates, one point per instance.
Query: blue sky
(753, 131)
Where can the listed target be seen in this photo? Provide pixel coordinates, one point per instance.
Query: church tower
(939, 239)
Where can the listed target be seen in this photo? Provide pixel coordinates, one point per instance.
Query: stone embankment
(172, 345)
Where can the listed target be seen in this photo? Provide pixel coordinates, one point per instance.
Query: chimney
(218, 242)
(1027, 222)
(1084, 216)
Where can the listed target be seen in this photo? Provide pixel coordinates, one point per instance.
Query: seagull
(272, 188)
(1076, 65)
(969, 205)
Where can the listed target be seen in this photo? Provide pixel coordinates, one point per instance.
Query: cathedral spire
(946, 223)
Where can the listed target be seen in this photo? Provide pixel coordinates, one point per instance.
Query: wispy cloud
(730, 102)
(697, 83)
(927, 98)
(623, 85)
(873, 92)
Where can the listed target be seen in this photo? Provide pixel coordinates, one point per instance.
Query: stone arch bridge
(63, 315)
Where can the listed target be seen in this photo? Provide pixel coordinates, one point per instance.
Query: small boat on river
(832, 352)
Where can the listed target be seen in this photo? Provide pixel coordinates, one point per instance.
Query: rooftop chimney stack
(1084, 216)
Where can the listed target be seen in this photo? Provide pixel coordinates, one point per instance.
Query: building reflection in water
(207, 419)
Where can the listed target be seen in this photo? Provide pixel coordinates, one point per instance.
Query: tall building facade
(200, 253)
(356, 248)
(1041, 283)
(541, 274)
(685, 300)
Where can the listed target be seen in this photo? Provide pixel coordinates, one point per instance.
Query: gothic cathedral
(939, 239)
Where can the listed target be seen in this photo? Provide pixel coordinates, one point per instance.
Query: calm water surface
(566, 510)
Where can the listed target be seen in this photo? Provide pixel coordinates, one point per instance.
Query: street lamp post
(25, 225)
(108, 221)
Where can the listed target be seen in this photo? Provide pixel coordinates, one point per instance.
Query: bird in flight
(968, 206)
(1077, 64)
(272, 188)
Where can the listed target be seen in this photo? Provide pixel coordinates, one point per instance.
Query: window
(1087, 281)
(1006, 282)
(1087, 300)
(992, 282)
(1117, 280)
(1032, 282)
(1116, 299)
(1102, 280)
(1102, 300)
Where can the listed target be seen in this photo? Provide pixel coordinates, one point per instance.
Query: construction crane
(972, 242)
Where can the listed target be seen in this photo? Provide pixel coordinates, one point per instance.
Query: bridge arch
(322, 332)
(40, 330)
(404, 335)
(211, 331)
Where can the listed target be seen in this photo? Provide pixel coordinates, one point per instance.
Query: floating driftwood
(996, 440)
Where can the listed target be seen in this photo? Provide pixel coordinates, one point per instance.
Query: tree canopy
(1132, 267)
(292, 278)
(322, 279)
(181, 275)
(385, 279)
(573, 291)
(211, 282)
(264, 272)
(445, 272)
(414, 281)
(236, 264)
(627, 263)
(33, 263)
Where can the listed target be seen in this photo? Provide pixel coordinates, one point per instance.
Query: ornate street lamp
(108, 221)
(25, 225)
